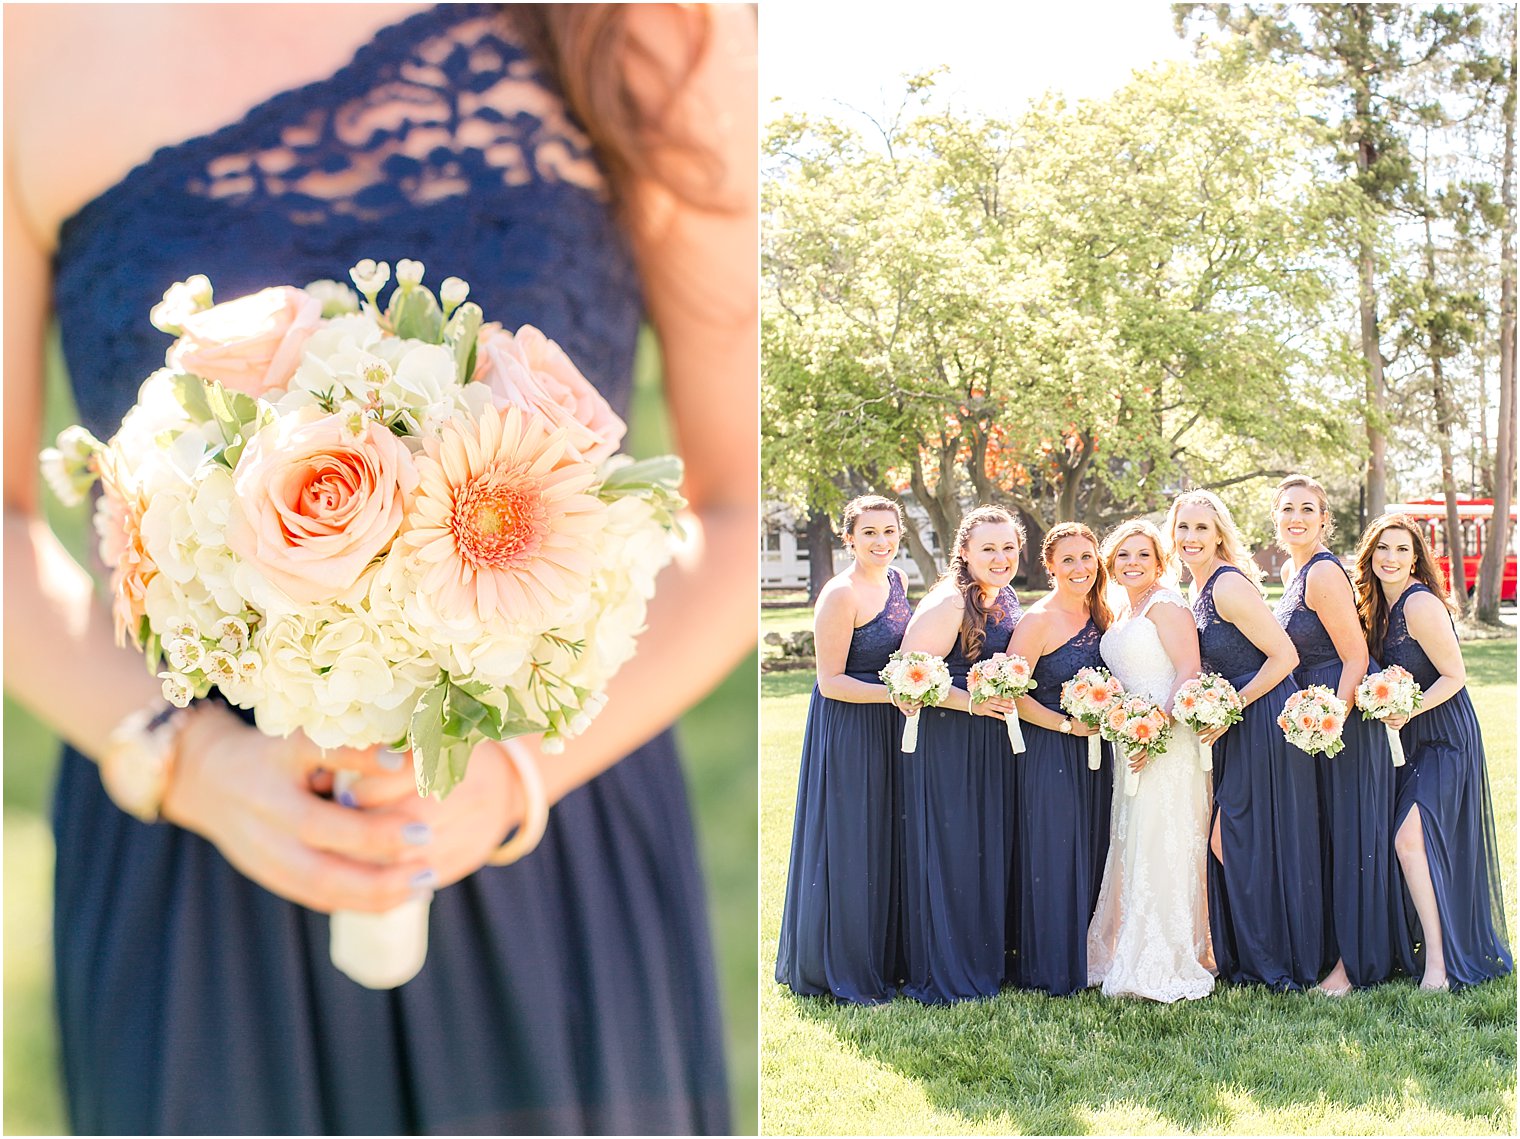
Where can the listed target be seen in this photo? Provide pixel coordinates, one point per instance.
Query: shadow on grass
(1489, 662)
(1044, 1065)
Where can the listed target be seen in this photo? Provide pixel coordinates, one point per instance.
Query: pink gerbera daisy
(501, 526)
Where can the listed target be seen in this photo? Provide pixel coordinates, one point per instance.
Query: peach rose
(252, 344)
(316, 502)
(530, 371)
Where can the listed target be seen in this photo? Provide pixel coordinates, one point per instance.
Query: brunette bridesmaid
(1266, 908)
(1062, 836)
(839, 923)
(1443, 819)
(957, 806)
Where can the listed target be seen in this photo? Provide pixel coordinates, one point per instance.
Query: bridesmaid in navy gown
(1443, 818)
(839, 921)
(571, 992)
(1266, 909)
(956, 784)
(1063, 805)
(1362, 884)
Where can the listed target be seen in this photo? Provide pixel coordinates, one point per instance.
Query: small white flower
(185, 654)
(177, 689)
(377, 373)
(67, 466)
(184, 627)
(336, 297)
(370, 276)
(408, 273)
(248, 665)
(181, 300)
(551, 745)
(232, 634)
(221, 667)
(453, 292)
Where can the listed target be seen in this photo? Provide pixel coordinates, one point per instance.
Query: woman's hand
(1138, 761)
(995, 707)
(1078, 728)
(1210, 736)
(905, 706)
(249, 795)
(1396, 722)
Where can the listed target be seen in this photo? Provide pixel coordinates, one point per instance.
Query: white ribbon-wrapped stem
(1015, 734)
(384, 950)
(1206, 757)
(1395, 745)
(1131, 778)
(910, 733)
(1094, 752)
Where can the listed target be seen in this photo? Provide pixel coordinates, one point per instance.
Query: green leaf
(460, 335)
(414, 314)
(426, 737)
(190, 391)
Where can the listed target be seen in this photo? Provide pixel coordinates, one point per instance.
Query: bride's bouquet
(1312, 719)
(920, 677)
(1004, 676)
(1089, 695)
(1392, 692)
(1136, 724)
(1207, 701)
(392, 526)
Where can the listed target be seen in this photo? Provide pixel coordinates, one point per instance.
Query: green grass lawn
(1391, 1060)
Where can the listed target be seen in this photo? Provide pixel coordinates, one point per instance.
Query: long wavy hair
(1371, 605)
(588, 52)
(1097, 596)
(976, 612)
(1306, 483)
(1232, 548)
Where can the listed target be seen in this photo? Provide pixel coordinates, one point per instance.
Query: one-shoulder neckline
(380, 40)
(893, 575)
(1073, 637)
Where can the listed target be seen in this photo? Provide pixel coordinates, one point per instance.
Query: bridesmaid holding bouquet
(1443, 820)
(1265, 895)
(1361, 879)
(839, 924)
(1063, 804)
(957, 785)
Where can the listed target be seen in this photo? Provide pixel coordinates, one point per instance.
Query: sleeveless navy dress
(957, 811)
(1266, 908)
(571, 992)
(1062, 834)
(839, 930)
(1445, 774)
(1363, 888)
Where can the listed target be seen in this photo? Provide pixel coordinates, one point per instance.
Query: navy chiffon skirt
(956, 847)
(572, 992)
(1363, 888)
(1446, 775)
(839, 930)
(1059, 852)
(1266, 908)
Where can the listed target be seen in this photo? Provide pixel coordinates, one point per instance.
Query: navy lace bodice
(996, 640)
(1302, 624)
(1055, 668)
(440, 141)
(1224, 648)
(872, 644)
(1400, 648)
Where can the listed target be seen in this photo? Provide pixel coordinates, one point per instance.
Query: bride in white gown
(1149, 936)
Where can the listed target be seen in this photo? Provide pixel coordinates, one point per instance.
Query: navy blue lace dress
(1061, 839)
(571, 992)
(1363, 888)
(957, 811)
(1445, 774)
(1266, 908)
(839, 925)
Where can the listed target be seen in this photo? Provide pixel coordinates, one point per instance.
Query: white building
(784, 560)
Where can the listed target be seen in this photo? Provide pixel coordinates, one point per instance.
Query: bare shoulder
(1327, 580)
(1425, 611)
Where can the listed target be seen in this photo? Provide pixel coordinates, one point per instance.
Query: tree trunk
(1491, 570)
(820, 547)
(1372, 349)
(1456, 548)
(918, 549)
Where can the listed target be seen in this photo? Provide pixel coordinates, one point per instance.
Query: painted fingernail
(390, 760)
(416, 834)
(423, 882)
(346, 798)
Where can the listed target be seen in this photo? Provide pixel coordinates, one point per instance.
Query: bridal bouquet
(1312, 719)
(1204, 702)
(1136, 724)
(1088, 696)
(1004, 676)
(1392, 692)
(390, 526)
(919, 677)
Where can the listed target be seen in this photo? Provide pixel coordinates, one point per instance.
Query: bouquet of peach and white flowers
(1207, 701)
(1088, 696)
(919, 677)
(1136, 724)
(1392, 692)
(1006, 676)
(392, 526)
(1312, 719)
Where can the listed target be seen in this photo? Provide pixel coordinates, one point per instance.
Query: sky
(817, 54)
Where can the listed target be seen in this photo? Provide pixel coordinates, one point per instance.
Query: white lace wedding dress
(1149, 936)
